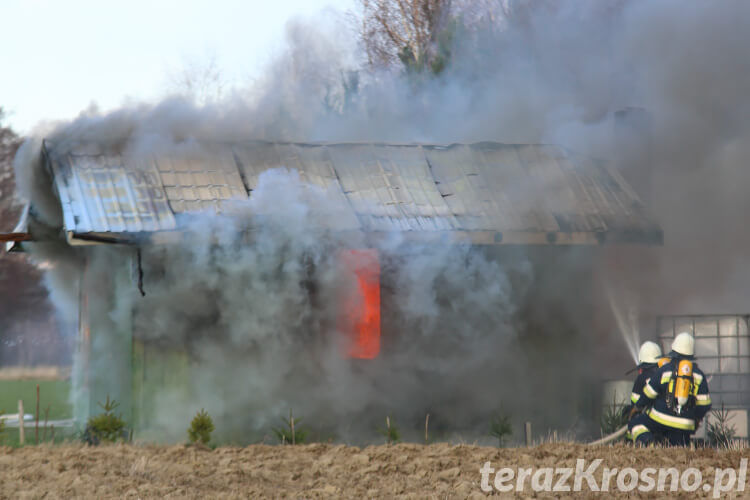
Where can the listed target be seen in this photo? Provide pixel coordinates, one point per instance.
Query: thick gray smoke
(254, 300)
(254, 297)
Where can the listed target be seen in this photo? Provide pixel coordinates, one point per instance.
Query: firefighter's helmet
(684, 344)
(650, 352)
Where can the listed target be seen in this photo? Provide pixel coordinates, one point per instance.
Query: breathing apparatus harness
(680, 391)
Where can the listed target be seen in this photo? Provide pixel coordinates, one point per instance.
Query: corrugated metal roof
(489, 192)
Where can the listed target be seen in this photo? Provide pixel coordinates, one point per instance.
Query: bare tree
(201, 81)
(403, 30)
(26, 316)
(10, 206)
(422, 34)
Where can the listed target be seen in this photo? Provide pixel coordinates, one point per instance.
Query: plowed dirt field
(322, 471)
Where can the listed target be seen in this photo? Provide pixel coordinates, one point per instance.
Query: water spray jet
(625, 311)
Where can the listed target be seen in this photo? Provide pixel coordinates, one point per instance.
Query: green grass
(54, 393)
(51, 392)
(62, 435)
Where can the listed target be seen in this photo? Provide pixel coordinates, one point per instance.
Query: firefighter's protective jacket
(661, 384)
(645, 371)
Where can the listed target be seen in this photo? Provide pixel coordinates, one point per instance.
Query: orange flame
(360, 320)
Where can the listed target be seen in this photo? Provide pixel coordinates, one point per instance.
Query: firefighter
(675, 398)
(648, 360)
(649, 357)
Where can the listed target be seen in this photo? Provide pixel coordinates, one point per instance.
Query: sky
(60, 57)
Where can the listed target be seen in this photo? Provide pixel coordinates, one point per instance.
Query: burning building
(247, 277)
(346, 281)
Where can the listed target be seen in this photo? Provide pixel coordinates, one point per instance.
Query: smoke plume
(252, 296)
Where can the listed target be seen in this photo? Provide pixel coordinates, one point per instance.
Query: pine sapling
(500, 428)
(201, 428)
(106, 426)
(391, 433)
(291, 432)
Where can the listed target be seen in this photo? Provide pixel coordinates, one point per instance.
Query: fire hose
(619, 432)
(606, 439)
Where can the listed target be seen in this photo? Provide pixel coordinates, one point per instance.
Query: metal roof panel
(486, 189)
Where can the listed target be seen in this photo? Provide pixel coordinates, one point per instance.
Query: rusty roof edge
(651, 237)
(249, 142)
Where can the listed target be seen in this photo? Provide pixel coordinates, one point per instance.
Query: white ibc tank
(617, 393)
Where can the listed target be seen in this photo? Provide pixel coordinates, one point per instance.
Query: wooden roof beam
(15, 237)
